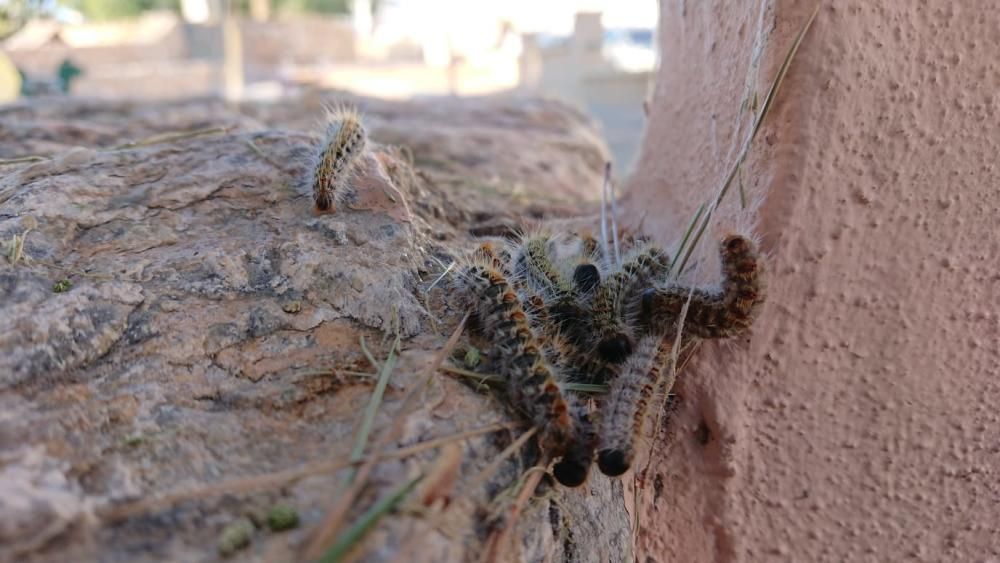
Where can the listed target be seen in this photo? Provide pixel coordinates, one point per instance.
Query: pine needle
(764, 110)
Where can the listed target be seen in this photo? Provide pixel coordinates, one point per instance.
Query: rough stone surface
(211, 330)
(860, 422)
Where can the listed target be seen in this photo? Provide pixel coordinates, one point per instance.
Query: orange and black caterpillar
(521, 296)
(532, 385)
(613, 303)
(343, 142)
(535, 268)
(627, 402)
(712, 314)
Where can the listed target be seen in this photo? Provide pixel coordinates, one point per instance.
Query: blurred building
(597, 54)
(607, 72)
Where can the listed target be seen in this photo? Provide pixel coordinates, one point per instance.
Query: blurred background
(598, 55)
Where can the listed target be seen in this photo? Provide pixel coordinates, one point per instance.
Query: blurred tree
(322, 6)
(14, 13)
(117, 9)
(260, 10)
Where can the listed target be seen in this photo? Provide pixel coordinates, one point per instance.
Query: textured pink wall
(861, 421)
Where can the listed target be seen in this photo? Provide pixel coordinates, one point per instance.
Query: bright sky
(471, 26)
(556, 16)
(528, 16)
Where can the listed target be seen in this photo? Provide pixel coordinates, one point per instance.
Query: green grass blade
(585, 387)
(358, 451)
(355, 533)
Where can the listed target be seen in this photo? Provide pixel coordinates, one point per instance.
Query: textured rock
(211, 329)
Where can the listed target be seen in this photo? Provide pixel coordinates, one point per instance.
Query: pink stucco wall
(861, 419)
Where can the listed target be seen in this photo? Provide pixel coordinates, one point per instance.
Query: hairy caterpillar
(535, 267)
(532, 383)
(611, 307)
(624, 409)
(343, 142)
(713, 314)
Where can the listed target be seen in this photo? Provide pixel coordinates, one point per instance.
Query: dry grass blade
(439, 278)
(405, 552)
(497, 380)
(436, 442)
(684, 240)
(23, 159)
(500, 538)
(743, 191)
(482, 378)
(480, 479)
(355, 533)
(263, 156)
(327, 529)
(242, 485)
(149, 141)
(694, 242)
(687, 235)
(605, 249)
(172, 137)
(782, 71)
(595, 388)
(745, 150)
(370, 357)
(614, 219)
(16, 248)
(666, 385)
(441, 478)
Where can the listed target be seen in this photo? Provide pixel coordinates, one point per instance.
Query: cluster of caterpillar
(336, 157)
(555, 311)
